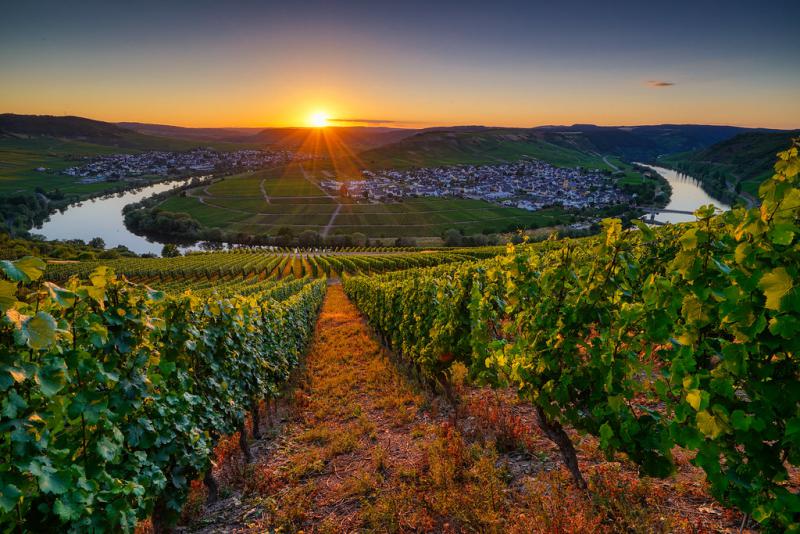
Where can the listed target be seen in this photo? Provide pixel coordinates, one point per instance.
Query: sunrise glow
(318, 119)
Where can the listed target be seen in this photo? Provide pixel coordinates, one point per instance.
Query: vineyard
(647, 339)
(243, 263)
(125, 382)
(116, 394)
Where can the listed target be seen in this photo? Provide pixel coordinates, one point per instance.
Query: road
(327, 228)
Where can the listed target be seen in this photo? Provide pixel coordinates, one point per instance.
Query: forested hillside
(736, 165)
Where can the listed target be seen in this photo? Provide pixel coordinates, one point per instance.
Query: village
(528, 184)
(159, 163)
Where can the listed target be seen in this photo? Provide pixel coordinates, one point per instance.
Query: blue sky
(417, 63)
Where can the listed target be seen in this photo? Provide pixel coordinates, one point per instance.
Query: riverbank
(686, 196)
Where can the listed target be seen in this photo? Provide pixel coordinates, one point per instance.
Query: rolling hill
(39, 128)
(475, 146)
(194, 134)
(356, 138)
(741, 162)
(579, 144)
(639, 143)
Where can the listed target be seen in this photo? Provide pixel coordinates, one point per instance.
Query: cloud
(364, 121)
(656, 84)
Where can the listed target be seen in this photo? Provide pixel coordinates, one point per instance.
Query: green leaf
(107, 448)
(606, 434)
(26, 269)
(784, 325)
(9, 497)
(54, 482)
(782, 233)
(40, 330)
(63, 297)
(52, 377)
(740, 420)
(66, 510)
(154, 295)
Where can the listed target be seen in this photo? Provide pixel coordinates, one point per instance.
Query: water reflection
(687, 195)
(102, 217)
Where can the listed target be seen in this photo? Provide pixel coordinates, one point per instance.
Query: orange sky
(412, 64)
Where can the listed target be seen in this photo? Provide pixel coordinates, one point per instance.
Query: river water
(687, 195)
(102, 217)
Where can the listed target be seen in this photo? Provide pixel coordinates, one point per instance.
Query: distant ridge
(182, 132)
(470, 144)
(68, 127)
(742, 161)
(81, 129)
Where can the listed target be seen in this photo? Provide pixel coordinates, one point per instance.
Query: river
(102, 217)
(687, 195)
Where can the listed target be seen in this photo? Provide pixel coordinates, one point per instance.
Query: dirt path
(358, 449)
(328, 226)
(354, 424)
(264, 191)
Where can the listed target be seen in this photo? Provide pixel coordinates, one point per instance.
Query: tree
(97, 242)
(170, 250)
(452, 238)
(309, 238)
(359, 239)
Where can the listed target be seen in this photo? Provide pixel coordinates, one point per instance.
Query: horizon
(356, 124)
(511, 65)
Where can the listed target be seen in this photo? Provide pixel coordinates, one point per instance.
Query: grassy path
(351, 413)
(357, 449)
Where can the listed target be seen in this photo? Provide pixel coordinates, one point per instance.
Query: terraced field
(263, 202)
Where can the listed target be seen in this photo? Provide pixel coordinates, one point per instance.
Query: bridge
(653, 211)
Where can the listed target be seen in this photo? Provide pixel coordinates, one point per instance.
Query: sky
(404, 64)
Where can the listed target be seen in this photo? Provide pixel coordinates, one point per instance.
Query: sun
(318, 119)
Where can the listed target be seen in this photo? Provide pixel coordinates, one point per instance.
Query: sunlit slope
(481, 146)
(265, 202)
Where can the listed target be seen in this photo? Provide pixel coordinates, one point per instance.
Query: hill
(36, 128)
(579, 144)
(294, 138)
(67, 127)
(740, 163)
(639, 143)
(475, 146)
(196, 134)
(355, 138)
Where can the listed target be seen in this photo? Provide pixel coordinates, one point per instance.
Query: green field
(20, 157)
(264, 202)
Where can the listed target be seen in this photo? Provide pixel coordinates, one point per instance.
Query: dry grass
(359, 450)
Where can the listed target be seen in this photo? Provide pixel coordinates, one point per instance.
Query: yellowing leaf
(99, 276)
(26, 269)
(708, 425)
(16, 318)
(775, 285)
(8, 292)
(694, 398)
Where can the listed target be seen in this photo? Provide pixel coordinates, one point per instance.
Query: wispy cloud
(656, 84)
